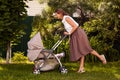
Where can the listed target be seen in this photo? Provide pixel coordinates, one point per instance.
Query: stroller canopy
(35, 46)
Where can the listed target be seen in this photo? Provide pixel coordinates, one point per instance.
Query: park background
(19, 22)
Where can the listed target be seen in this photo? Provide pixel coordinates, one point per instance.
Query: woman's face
(59, 16)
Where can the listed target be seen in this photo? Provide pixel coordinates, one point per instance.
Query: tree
(104, 29)
(12, 14)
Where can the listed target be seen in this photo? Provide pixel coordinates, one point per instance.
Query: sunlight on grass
(1, 68)
(117, 76)
(94, 71)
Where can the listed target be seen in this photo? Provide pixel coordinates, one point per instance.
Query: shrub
(19, 57)
(102, 39)
(1, 60)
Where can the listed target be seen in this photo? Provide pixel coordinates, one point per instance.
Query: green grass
(94, 71)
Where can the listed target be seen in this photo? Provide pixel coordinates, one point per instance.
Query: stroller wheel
(63, 70)
(36, 72)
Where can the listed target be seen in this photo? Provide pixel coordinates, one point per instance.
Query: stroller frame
(62, 68)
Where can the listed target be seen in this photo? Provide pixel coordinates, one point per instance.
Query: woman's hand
(66, 33)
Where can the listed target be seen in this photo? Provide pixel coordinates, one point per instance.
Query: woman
(79, 44)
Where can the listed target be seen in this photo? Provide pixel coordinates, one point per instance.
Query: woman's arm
(74, 26)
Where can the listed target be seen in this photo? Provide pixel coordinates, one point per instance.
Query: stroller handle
(58, 42)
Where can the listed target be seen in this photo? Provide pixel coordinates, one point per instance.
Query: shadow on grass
(96, 71)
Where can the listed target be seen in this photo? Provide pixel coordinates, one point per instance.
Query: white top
(67, 26)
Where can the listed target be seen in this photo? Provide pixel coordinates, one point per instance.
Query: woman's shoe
(81, 70)
(104, 59)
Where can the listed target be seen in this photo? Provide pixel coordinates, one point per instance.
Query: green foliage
(104, 31)
(11, 17)
(101, 38)
(2, 60)
(19, 57)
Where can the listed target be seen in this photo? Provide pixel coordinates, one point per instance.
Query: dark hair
(58, 11)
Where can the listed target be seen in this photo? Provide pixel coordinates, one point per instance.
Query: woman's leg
(81, 67)
(101, 57)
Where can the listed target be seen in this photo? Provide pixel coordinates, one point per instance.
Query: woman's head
(59, 13)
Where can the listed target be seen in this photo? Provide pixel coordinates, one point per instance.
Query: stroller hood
(35, 46)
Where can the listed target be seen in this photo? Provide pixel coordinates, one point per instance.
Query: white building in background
(34, 7)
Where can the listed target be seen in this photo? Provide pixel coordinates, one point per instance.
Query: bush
(19, 57)
(1, 60)
(102, 39)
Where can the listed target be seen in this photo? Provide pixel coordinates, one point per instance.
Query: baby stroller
(44, 60)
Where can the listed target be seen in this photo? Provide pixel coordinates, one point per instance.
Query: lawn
(94, 71)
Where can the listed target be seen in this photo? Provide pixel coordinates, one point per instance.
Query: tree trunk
(8, 54)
